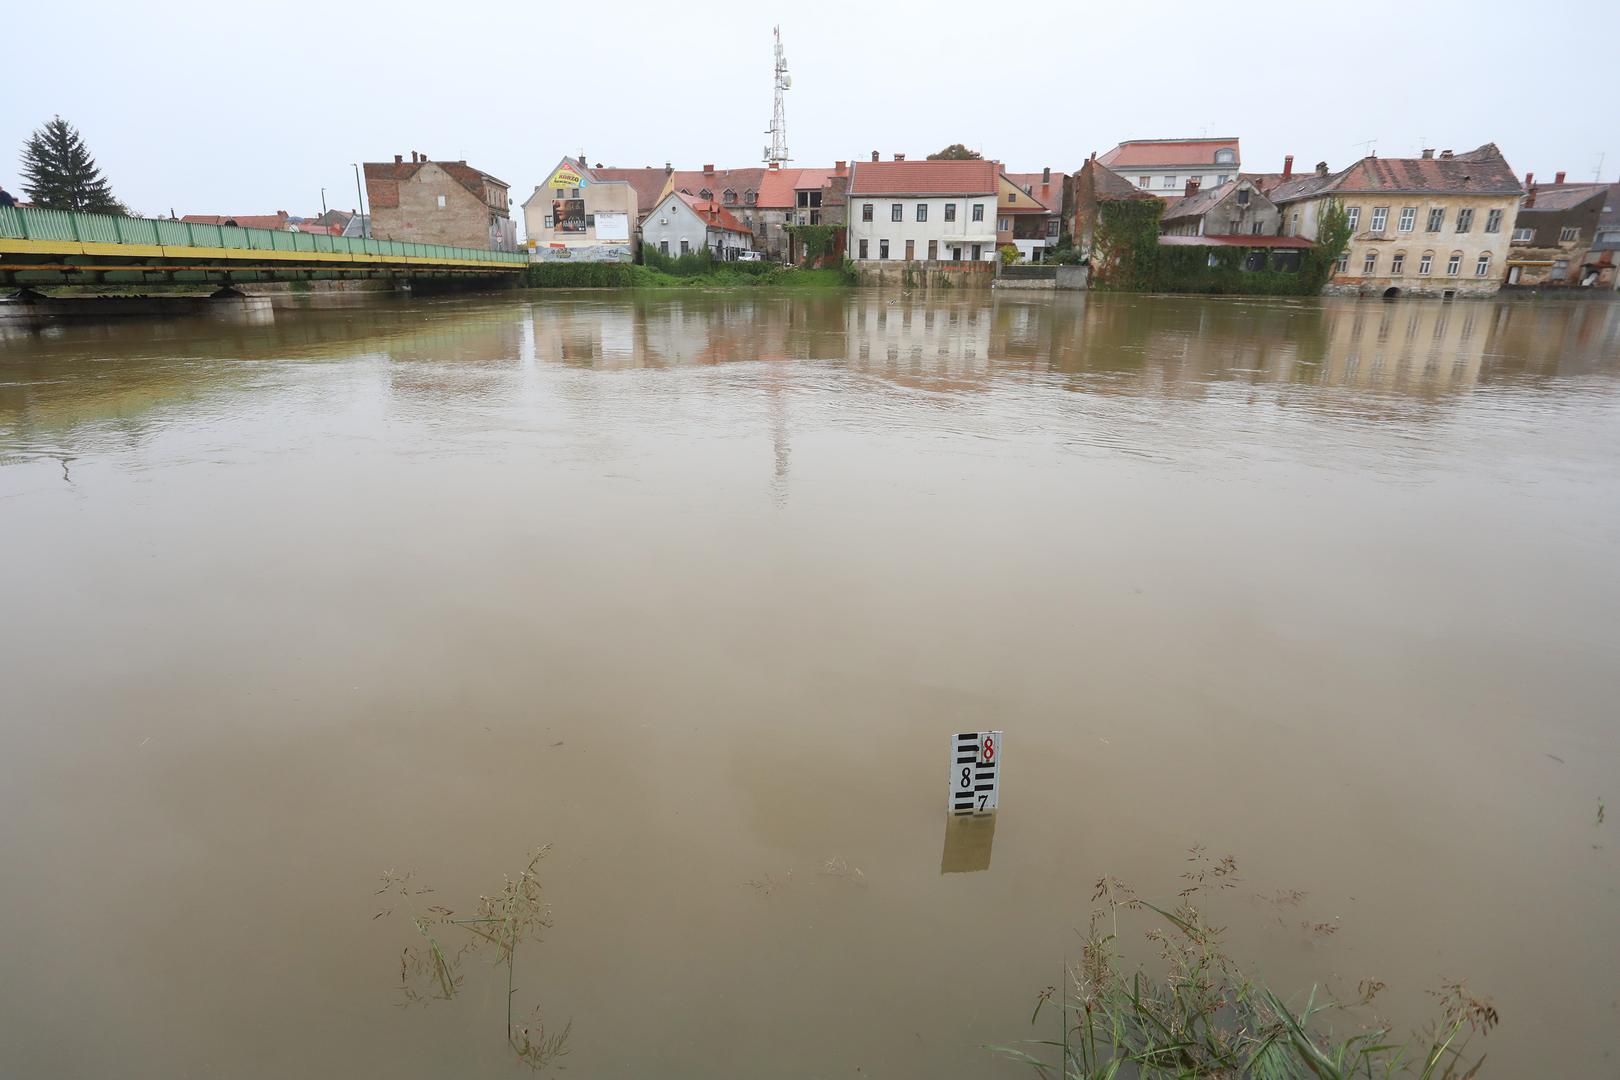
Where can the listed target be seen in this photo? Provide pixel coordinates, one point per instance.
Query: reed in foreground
(1202, 1017)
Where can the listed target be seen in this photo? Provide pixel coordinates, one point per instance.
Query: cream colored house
(579, 216)
(1426, 226)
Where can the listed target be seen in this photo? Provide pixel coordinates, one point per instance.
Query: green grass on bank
(696, 270)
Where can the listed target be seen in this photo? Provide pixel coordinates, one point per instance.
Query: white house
(1163, 166)
(917, 210)
(579, 216)
(681, 224)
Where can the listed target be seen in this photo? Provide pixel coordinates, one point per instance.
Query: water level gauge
(975, 772)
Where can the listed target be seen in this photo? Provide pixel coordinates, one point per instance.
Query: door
(911, 250)
(933, 250)
(1513, 275)
(977, 249)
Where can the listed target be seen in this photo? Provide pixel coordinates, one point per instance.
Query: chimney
(1046, 175)
(1428, 153)
(1529, 181)
(838, 168)
(1445, 155)
(874, 155)
(399, 160)
(1192, 186)
(708, 170)
(1288, 166)
(668, 168)
(899, 157)
(1558, 177)
(1321, 168)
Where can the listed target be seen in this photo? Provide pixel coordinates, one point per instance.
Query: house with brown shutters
(1435, 225)
(439, 202)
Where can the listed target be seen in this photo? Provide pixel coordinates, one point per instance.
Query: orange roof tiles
(924, 178)
(1159, 153)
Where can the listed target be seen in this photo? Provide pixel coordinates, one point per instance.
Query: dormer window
(1225, 157)
(731, 197)
(705, 194)
(749, 197)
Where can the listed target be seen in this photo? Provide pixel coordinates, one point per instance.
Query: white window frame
(1437, 219)
(1352, 217)
(1569, 233)
(1408, 220)
(1493, 221)
(1397, 264)
(1426, 264)
(1523, 234)
(1482, 266)
(1465, 219)
(1369, 264)
(1380, 218)
(1168, 180)
(1454, 265)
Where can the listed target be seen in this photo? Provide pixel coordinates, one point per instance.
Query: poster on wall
(566, 176)
(612, 226)
(568, 215)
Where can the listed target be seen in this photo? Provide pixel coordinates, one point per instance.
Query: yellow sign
(565, 177)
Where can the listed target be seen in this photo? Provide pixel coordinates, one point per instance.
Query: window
(1408, 219)
(663, 247)
(1168, 181)
(1144, 181)
(897, 212)
(864, 249)
(1343, 264)
(1254, 227)
(1568, 233)
(1353, 217)
(686, 248)
(1052, 228)
(749, 199)
(1012, 197)
(1483, 267)
(730, 197)
(548, 221)
(866, 212)
(1223, 178)
(978, 250)
(1397, 263)
(1523, 236)
(1560, 268)
(1225, 157)
(441, 202)
(1369, 264)
(1493, 221)
(1465, 219)
(950, 211)
(705, 194)
(933, 253)
(562, 193)
(1426, 264)
(956, 254)
(1437, 218)
(922, 211)
(1380, 218)
(809, 200)
(883, 249)
(1243, 197)
(1003, 224)
(1454, 264)
(978, 211)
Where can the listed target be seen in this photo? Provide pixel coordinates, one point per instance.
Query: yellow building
(1436, 225)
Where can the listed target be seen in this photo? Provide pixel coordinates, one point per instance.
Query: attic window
(1224, 157)
(750, 198)
(731, 197)
(1243, 197)
(705, 194)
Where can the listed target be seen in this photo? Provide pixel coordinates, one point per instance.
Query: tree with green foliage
(59, 173)
(1332, 238)
(956, 152)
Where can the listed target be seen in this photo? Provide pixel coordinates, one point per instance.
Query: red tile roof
(1479, 172)
(742, 181)
(1159, 153)
(1048, 193)
(277, 220)
(383, 177)
(924, 178)
(1559, 197)
(713, 214)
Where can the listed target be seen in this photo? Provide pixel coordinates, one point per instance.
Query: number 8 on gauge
(975, 772)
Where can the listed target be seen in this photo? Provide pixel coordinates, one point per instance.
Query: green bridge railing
(29, 223)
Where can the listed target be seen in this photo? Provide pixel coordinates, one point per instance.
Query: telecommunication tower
(777, 152)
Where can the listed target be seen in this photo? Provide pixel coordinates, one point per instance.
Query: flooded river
(695, 588)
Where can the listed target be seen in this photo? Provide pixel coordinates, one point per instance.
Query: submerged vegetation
(1203, 1017)
(431, 970)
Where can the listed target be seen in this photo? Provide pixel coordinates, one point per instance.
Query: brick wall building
(438, 202)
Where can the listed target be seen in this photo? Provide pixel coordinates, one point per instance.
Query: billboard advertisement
(568, 215)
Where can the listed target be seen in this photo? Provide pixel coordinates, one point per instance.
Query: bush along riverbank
(1201, 1016)
(695, 270)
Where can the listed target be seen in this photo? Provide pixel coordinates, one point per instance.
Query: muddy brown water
(695, 587)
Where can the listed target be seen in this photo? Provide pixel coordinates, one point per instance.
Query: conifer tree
(59, 173)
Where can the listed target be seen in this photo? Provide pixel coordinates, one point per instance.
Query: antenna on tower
(777, 152)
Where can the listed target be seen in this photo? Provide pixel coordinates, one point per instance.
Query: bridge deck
(44, 246)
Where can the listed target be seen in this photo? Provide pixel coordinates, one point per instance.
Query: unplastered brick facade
(438, 202)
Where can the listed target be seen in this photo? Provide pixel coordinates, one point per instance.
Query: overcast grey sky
(243, 108)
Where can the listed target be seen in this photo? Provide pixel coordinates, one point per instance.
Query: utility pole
(324, 211)
(365, 222)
